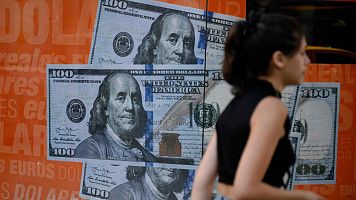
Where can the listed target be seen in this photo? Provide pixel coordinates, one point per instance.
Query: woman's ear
(278, 59)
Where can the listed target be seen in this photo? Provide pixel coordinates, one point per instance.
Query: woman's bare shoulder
(270, 113)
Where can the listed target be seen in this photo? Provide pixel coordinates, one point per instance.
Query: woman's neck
(276, 83)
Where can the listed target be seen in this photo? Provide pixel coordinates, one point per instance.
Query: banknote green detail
(76, 110)
(123, 44)
(205, 115)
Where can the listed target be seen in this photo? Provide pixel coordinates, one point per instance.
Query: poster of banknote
(216, 96)
(140, 113)
(152, 32)
(316, 121)
(122, 181)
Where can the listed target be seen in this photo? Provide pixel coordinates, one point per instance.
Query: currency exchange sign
(152, 32)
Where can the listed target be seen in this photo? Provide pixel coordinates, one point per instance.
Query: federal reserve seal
(123, 44)
(76, 110)
(205, 115)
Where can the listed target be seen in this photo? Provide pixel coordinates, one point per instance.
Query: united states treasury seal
(123, 44)
(76, 110)
(205, 115)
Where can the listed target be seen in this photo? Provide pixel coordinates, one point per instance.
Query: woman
(251, 152)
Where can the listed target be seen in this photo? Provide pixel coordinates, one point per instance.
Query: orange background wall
(34, 33)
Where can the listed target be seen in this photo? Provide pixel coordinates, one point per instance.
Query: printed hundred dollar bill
(123, 181)
(316, 122)
(133, 113)
(217, 95)
(152, 32)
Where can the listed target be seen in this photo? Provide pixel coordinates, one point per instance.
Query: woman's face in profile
(297, 64)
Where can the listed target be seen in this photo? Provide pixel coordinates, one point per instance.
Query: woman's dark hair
(251, 44)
